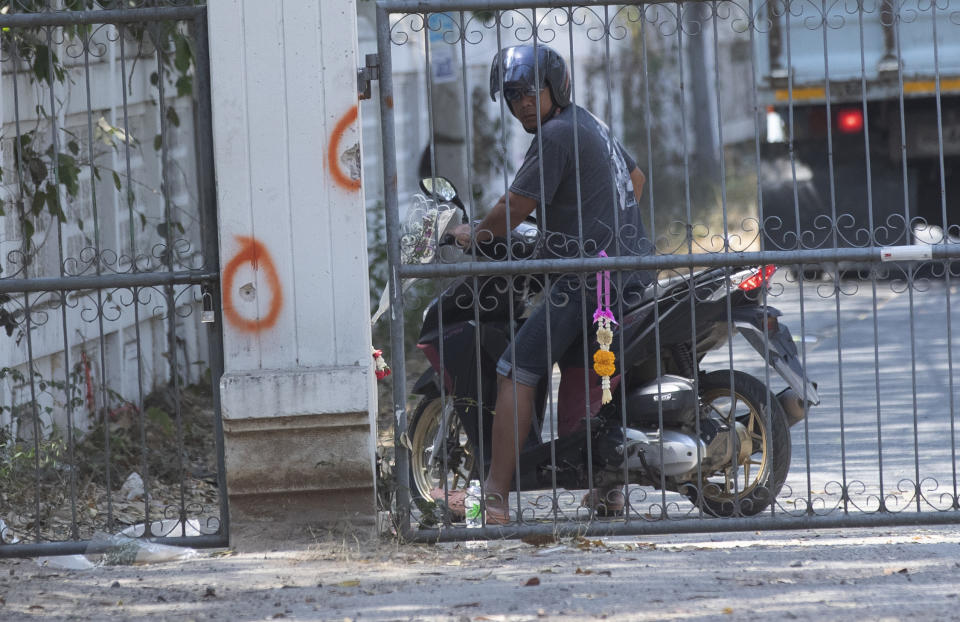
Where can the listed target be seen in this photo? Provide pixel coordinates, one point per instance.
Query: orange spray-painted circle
(254, 253)
(333, 158)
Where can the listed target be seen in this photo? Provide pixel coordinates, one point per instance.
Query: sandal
(456, 501)
(604, 503)
(497, 512)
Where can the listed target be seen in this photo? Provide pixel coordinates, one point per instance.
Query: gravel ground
(890, 574)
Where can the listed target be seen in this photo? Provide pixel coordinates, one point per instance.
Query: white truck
(860, 90)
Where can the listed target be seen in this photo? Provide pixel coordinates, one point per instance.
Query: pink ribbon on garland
(603, 295)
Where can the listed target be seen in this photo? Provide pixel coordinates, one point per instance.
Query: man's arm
(638, 179)
(494, 225)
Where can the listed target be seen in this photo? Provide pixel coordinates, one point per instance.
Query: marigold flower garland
(604, 361)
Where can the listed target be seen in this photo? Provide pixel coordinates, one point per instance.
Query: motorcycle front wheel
(439, 452)
(753, 481)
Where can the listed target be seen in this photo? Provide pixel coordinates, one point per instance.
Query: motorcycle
(721, 438)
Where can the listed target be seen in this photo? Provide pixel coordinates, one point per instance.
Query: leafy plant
(48, 168)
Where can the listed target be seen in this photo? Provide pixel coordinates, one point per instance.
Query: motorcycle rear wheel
(749, 486)
(427, 473)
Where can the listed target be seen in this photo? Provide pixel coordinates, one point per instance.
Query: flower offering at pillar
(380, 366)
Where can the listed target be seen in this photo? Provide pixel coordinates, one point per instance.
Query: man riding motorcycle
(586, 187)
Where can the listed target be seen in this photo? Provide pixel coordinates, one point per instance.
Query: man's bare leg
(503, 460)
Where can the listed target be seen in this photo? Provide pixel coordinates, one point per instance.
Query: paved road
(886, 372)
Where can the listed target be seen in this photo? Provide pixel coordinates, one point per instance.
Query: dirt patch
(53, 491)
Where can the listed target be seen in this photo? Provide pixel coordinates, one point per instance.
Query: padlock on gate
(207, 315)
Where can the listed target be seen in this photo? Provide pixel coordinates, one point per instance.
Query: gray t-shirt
(610, 211)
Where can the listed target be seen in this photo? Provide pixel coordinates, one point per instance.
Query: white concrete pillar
(298, 393)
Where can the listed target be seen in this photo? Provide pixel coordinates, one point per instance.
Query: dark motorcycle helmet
(518, 68)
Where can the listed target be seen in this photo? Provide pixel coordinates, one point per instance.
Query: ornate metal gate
(816, 136)
(111, 354)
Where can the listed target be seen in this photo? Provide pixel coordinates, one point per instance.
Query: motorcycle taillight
(762, 276)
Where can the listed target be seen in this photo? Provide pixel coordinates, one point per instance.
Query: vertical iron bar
(27, 242)
(68, 387)
(542, 224)
(541, 212)
(169, 292)
(722, 158)
(69, 392)
(688, 205)
(836, 265)
(734, 436)
(510, 306)
(551, 408)
(910, 267)
(211, 249)
(432, 147)
(36, 420)
(765, 291)
(796, 211)
(388, 146)
(467, 107)
(128, 195)
(612, 146)
(653, 236)
(98, 247)
(471, 215)
(579, 195)
(873, 241)
(754, 103)
(947, 265)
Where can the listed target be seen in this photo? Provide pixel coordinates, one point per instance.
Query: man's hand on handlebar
(462, 235)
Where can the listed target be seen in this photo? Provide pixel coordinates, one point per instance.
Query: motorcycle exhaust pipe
(792, 405)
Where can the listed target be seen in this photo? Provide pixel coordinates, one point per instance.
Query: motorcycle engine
(674, 449)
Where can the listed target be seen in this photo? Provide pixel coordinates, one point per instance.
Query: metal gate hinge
(366, 75)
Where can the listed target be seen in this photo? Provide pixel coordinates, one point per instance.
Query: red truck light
(850, 121)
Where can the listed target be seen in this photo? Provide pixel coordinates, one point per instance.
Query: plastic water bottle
(472, 510)
(472, 505)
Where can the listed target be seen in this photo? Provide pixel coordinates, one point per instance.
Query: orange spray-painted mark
(254, 253)
(333, 153)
